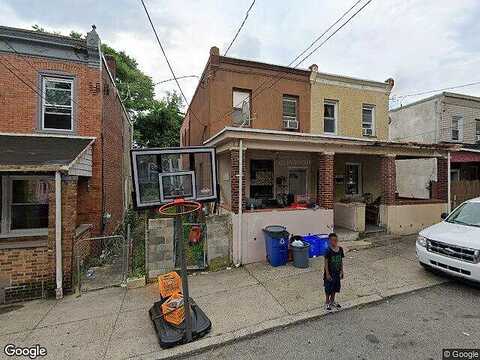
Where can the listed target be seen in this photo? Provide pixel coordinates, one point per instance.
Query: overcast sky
(422, 44)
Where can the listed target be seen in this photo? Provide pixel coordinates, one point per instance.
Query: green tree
(160, 125)
(136, 88)
(76, 35)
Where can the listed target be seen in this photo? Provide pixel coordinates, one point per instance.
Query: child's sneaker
(328, 307)
(336, 305)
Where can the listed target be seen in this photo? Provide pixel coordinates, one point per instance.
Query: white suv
(453, 246)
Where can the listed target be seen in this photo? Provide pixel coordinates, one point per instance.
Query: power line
(240, 28)
(168, 61)
(309, 47)
(395, 97)
(178, 78)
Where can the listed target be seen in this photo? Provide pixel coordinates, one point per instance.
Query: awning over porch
(465, 157)
(320, 143)
(45, 153)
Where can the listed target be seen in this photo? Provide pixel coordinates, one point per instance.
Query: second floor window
(289, 113)
(368, 125)
(330, 117)
(456, 128)
(57, 104)
(241, 107)
(477, 130)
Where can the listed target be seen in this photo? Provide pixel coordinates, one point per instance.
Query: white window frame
(458, 129)
(372, 124)
(236, 108)
(360, 179)
(44, 96)
(287, 119)
(335, 115)
(292, 169)
(6, 182)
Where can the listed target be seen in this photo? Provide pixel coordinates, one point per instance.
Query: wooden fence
(464, 190)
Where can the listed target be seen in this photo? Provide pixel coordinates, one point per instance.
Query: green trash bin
(300, 255)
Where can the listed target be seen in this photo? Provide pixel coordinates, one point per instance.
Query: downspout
(449, 195)
(240, 201)
(58, 235)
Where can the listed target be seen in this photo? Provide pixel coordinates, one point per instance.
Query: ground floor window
(261, 179)
(24, 204)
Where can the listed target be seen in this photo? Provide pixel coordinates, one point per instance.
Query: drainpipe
(449, 196)
(58, 235)
(240, 200)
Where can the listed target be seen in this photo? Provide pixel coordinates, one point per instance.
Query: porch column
(442, 179)
(325, 185)
(235, 179)
(388, 179)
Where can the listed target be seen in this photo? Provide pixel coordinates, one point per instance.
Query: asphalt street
(416, 326)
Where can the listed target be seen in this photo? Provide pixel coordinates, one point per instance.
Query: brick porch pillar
(388, 179)
(235, 181)
(325, 185)
(442, 179)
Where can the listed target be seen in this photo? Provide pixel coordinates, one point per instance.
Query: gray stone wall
(219, 238)
(160, 256)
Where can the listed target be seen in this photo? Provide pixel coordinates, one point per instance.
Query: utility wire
(282, 75)
(396, 97)
(240, 28)
(168, 62)
(178, 78)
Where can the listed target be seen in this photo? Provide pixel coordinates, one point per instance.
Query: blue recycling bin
(318, 244)
(276, 244)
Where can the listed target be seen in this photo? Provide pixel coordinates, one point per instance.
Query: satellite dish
(245, 117)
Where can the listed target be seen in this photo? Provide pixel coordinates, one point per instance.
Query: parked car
(453, 245)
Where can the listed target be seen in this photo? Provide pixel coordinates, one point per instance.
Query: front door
(353, 179)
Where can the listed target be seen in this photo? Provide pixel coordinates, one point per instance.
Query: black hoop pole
(178, 223)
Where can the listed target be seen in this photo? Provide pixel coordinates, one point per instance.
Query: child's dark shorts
(332, 286)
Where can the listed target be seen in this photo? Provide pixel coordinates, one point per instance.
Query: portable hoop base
(202, 324)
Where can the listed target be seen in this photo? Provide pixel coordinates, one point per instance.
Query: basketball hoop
(179, 207)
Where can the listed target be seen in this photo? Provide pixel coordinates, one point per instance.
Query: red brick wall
(235, 181)
(388, 179)
(442, 179)
(27, 272)
(113, 154)
(212, 102)
(326, 181)
(30, 271)
(20, 107)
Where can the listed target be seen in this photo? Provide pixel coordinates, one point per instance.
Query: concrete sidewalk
(114, 323)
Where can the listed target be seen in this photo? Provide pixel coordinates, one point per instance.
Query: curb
(213, 342)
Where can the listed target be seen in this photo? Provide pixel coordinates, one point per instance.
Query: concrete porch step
(346, 234)
(373, 231)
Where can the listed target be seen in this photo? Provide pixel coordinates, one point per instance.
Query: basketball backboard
(163, 175)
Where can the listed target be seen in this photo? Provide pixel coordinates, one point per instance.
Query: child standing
(333, 272)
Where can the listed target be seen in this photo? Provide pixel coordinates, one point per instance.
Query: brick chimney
(112, 65)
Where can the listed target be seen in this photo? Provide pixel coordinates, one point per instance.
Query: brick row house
(64, 142)
(304, 149)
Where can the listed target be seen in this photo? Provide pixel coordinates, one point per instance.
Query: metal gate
(100, 262)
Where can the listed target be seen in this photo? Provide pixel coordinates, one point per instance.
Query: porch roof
(44, 153)
(305, 142)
